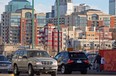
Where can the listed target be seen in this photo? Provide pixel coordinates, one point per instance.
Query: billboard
(110, 59)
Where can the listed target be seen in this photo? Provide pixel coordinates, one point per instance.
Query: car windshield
(3, 58)
(77, 55)
(38, 54)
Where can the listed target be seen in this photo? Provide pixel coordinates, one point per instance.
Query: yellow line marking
(6, 74)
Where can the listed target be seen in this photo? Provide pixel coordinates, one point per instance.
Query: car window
(16, 54)
(57, 56)
(25, 53)
(77, 55)
(21, 53)
(38, 54)
(3, 58)
(65, 55)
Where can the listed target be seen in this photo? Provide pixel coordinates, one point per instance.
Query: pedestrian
(97, 61)
(102, 63)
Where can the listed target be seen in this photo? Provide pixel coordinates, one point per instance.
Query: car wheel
(38, 74)
(9, 72)
(15, 70)
(69, 71)
(63, 69)
(54, 73)
(84, 72)
(30, 70)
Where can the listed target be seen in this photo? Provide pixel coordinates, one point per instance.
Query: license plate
(47, 68)
(79, 61)
(2, 67)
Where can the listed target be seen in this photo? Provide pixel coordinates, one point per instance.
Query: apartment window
(56, 38)
(87, 44)
(84, 45)
(64, 30)
(109, 46)
(64, 34)
(95, 44)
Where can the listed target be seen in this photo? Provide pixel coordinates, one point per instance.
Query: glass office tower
(17, 4)
(112, 7)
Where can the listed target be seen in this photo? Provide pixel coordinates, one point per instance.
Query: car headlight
(55, 63)
(38, 63)
(9, 65)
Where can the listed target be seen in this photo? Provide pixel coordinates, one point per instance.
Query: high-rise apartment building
(17, 4)
(10, 21)
(16, 26)
(112, 7)
(91, 17)
(66, 7)
(81, 8)
(51, 37)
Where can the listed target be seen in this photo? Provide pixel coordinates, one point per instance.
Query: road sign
(69, 49)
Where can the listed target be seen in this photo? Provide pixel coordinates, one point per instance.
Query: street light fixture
(100, 36)
(58, 25)
(33, 26)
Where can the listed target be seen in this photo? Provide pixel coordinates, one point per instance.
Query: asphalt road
(90, 73)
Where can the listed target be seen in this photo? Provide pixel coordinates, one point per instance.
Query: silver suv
(33, 62)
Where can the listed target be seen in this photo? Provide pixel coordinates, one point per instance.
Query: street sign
(69, 49)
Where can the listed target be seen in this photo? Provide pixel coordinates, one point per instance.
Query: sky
(45, 5)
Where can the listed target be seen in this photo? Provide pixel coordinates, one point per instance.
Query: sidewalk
(101, 73)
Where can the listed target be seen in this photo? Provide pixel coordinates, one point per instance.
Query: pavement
(90, 73)
(101, 73)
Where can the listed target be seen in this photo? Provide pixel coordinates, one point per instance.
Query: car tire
(64, 70)
(54, 73)
(15, 70)
(30, 70)
(69, 71)
(38, 74)
(10, 72)
(84, 72)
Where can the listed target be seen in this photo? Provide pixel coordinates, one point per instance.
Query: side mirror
(54, 58)
(25, 57)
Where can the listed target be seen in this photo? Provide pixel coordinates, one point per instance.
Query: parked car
(33, 62)
(5, 64)
(72, 61)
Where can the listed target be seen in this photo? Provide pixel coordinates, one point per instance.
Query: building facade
(51, 38)
(81, 8)
(16, 27)
(17, 4)
(113, 21)
(112, 7)
(66, 7)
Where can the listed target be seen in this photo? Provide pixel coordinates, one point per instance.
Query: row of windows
(86, 45)
(90, 35)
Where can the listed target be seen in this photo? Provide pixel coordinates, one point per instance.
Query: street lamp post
(100, 36)
(33, 26)
(99, 39)
(58, 25)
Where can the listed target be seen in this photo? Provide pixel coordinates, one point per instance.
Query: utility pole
(58, 25)
(33, 26)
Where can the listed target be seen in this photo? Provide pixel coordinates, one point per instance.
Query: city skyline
(46, 7)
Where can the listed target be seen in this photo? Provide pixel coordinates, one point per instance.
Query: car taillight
(70, 61)
(86, 61)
